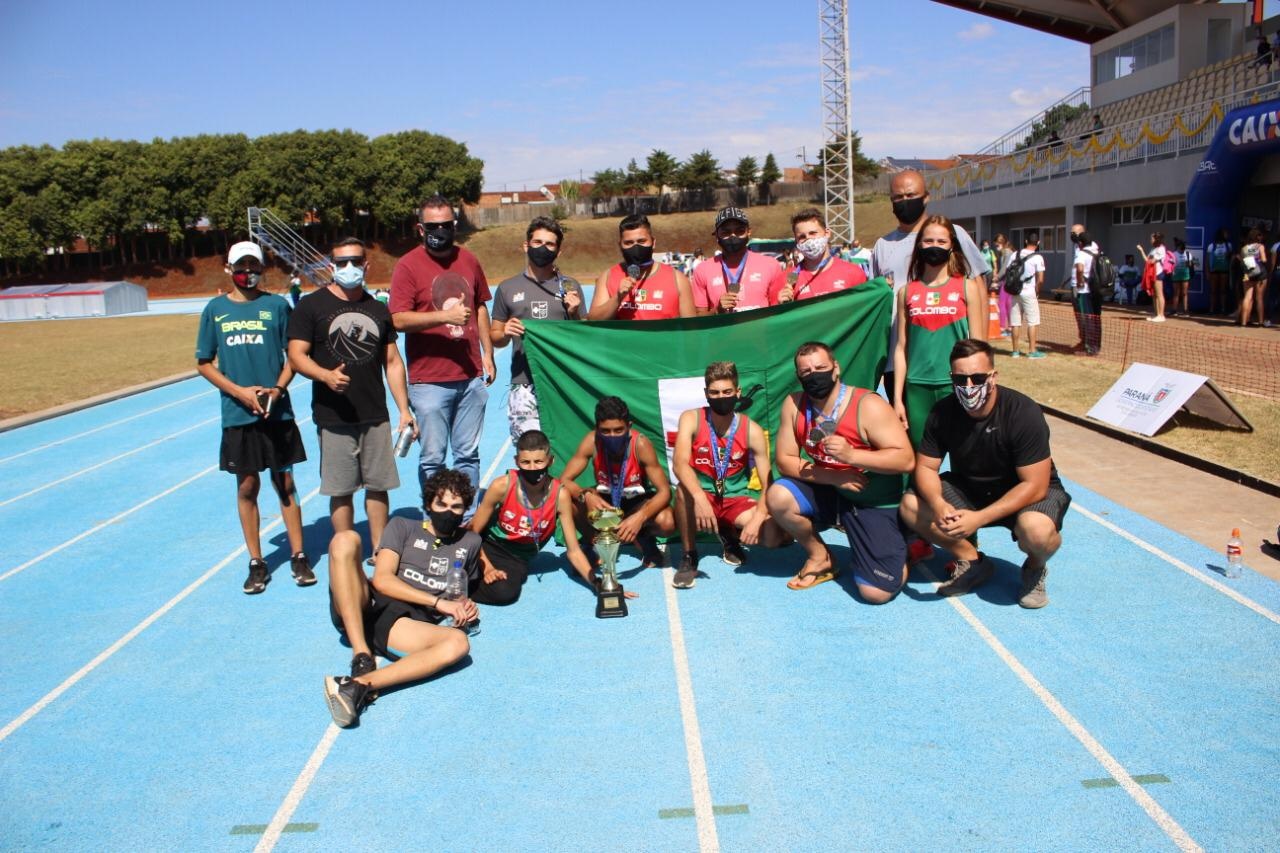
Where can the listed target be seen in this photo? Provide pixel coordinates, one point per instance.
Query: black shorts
(261, 446)
(876, 537)
(516, 567)
(963, 495)
(379, 616)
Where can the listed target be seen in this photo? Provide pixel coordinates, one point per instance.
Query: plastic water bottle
(455, 588)
(1235, 554)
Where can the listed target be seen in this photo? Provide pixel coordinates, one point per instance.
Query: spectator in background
(1087, 303)
(1003, 252)
(741, 279)
(1273, 280)
(860, 256)
(1218, 254)
(1183, 267)
(1128, 277)
(438, 296)
(1024, 309)
(295, 288)
(818, 272)
(1264, 53)
(1253, 255)
(891, 256)
(639, 287)
(989, 255)
(1159, 259)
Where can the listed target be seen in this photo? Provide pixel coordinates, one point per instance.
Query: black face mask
(732, 245)
(908, 210)
(637, 254)
(532, 476)
(438, 239)
(935, 256)
(819, 384)
(722, 405)
(445, 523)
(541, 256)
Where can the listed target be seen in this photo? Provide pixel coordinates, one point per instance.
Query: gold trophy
(610, 598)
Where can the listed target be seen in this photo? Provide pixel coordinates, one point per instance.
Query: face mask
(722, 405)
(732, 245)
(541, 256)
(813, 248)
(445, 523)
(438, 239)
(637, 254)
(908, 210)
(614, 445)
(973, 397)
(349, 276)
(247, 280)
(819, 384)
(532, 476)
(935, 256)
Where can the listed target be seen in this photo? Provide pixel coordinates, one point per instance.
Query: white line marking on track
(298, 791)
(1178, 564)
(104, 426)
(133, 632)
(115, 458)
(92, 530)
(1153, 809)
(497, 460)
(708, 839)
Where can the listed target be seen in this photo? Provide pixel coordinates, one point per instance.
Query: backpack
(1102, 276)
(1169, 261)
(1014, 272)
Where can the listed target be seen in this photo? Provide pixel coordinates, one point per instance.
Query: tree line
(145, 201)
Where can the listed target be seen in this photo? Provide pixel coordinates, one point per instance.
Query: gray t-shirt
(526, 299)
(892, 254)
(424, 559)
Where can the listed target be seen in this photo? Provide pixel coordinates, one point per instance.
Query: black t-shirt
(353, 334)
(986, 452)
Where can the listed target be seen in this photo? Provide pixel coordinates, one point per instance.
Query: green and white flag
(657, 366)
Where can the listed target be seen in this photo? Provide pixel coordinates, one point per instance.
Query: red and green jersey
(523, 528)
(881, 489)
(708, 445)
(937, 318)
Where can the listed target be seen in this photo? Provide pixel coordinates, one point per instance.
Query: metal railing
(1175, 133)
(1009, 143)
(274, 234)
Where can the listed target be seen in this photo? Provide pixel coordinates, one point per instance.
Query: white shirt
(1083, 258)
(1033, 265)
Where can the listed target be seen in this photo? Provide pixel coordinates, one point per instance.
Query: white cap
(244, 249)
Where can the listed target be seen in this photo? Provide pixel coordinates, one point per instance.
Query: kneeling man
(842, 453)
(1002, 474)
(716, 452)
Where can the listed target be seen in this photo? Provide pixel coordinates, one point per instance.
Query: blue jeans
(450, 414)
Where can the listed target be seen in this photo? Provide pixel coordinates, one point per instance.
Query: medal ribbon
(721, 462)
(617, 482)
(818, 416)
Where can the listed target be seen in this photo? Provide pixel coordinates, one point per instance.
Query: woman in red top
(640, 288)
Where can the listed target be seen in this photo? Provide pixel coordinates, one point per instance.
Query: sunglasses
(965, 378)
(342, 262)
(438, 226)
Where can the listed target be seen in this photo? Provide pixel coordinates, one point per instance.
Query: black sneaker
(733, 553)
(687, 575)
(258, 578)
(652, 555)
(362, 664)
(968, 576)
(346, 697)
(302, 574)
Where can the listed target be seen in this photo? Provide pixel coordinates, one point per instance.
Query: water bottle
(455, 588)
(1235, 554)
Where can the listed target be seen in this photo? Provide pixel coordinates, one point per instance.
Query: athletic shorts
(357, 457)
(730, 508)
(261, 446)
(379, 616)
(516, 567)
(876, 536)
(1025, 308)
(962, 495)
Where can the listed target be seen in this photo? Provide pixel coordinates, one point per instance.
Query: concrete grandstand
(1168, 83)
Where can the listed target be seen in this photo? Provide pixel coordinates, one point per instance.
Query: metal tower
(837, 118)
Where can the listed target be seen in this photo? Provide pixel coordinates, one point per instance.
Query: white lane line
(1113, 767)
(497, 460)
(115, 458)
(92, 530)
(1178, 564)
(104, 426)
(708, 840)
(133, 632)
(298, 791)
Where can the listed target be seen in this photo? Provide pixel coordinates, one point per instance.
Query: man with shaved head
(892, 253)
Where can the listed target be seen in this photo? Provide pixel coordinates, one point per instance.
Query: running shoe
(1032, 595)
(1016, 354)
(687, 574)
(302, 574)
(733, 553)
(362, 664)
(258, 578)
(1036, 354)
(652, 554)
(969, 575)
(346, 697)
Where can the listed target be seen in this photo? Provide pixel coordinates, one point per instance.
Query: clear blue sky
(538, 91)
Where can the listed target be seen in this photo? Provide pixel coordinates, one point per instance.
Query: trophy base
(612, 604)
